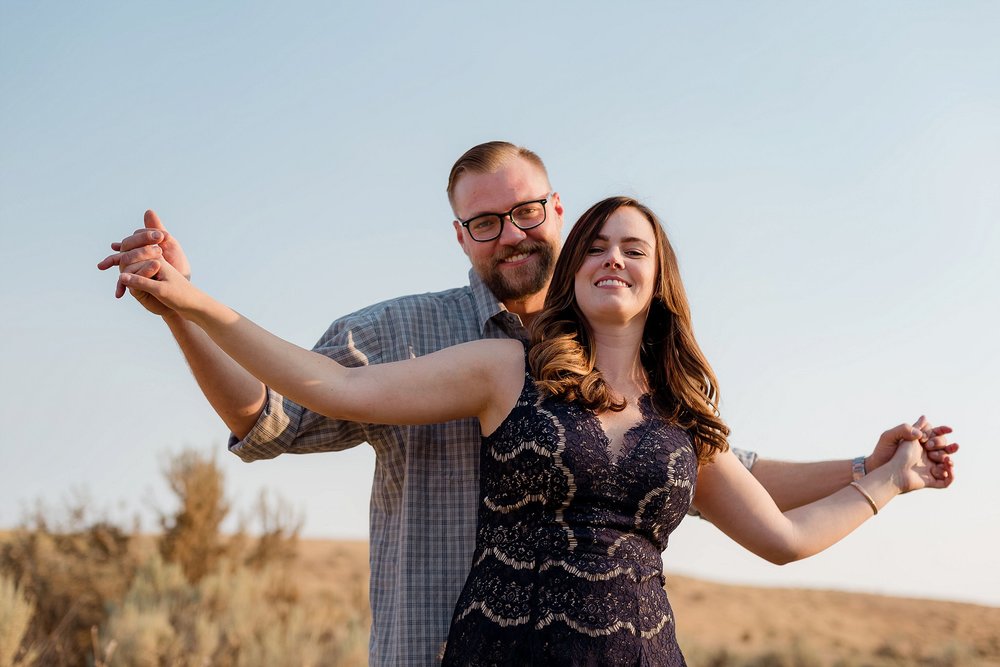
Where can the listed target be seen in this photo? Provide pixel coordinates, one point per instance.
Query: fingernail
(157, 236)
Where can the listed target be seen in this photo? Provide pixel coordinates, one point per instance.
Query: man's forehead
(515, 181)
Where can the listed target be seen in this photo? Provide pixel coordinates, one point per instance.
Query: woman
(592, 445)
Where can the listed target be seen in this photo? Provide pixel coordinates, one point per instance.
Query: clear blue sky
(829, 172)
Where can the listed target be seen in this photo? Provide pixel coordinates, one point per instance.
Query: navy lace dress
(567, 568)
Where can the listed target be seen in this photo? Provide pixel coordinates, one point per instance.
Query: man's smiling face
(517, 266)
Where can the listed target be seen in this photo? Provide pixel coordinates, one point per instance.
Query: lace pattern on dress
(568, 568)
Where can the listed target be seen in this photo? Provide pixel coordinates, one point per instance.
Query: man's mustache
(520, 248)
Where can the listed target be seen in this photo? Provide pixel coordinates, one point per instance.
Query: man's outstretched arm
(235, 395)
(792, 485)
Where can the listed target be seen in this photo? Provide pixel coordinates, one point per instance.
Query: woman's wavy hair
(562, 359)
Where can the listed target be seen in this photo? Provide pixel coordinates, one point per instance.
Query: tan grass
(315, 612)
(16, 611)
(835, 624)
(99, 594)
(743, 626)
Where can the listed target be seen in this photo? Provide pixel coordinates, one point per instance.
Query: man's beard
(525, 281)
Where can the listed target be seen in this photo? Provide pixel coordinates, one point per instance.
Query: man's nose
(511, 233)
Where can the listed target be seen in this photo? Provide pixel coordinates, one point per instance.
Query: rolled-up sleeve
(284, 427)
(746, 457)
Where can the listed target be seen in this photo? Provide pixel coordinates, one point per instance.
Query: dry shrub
(208, 600)
(16, 611)
(235, 616)
(191, 536)
(70, 572)
(278, 528)
(143, 626)
(197, 598)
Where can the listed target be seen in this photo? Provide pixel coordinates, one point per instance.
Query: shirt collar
(488, 307)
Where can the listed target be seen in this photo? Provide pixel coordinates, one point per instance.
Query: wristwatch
(858, 468)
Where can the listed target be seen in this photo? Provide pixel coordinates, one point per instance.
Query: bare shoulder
(719, 482)
(505, 349)
(489, 358)
(721, 463)
(500, 357)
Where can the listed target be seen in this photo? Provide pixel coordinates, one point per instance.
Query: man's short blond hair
(486, 159)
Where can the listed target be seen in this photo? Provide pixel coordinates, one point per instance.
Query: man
(424, 495)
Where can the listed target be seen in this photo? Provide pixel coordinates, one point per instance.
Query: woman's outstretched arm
(732, 499)
(469, 380)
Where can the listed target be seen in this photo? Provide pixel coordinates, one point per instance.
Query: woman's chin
(615, 317)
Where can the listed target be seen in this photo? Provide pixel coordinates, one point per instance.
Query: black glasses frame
(509, 215)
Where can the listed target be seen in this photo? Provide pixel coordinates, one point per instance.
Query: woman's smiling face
(616, 280)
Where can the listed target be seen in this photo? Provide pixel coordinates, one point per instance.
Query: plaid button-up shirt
(425, 492)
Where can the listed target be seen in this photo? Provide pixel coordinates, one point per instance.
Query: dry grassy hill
(730, 626)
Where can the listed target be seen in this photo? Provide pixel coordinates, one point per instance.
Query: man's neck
(526, 308)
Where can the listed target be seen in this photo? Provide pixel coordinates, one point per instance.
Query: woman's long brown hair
(562, 358)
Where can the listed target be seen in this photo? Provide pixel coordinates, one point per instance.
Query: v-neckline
(616, 456)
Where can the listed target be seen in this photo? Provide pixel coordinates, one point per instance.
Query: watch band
(858, 468)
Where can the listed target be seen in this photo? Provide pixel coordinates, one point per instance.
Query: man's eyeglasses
(489, 226)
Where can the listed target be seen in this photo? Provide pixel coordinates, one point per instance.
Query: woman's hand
(913, 469)
(167, 285)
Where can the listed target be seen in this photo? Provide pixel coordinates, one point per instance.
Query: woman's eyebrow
(627, 239)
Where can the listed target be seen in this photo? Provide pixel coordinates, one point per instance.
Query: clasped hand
(920, 454)
(149, 255)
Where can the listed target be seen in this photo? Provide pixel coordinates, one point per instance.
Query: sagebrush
(91, 592)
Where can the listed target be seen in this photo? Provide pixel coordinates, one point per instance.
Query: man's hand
(935, 444)
(134, 254)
